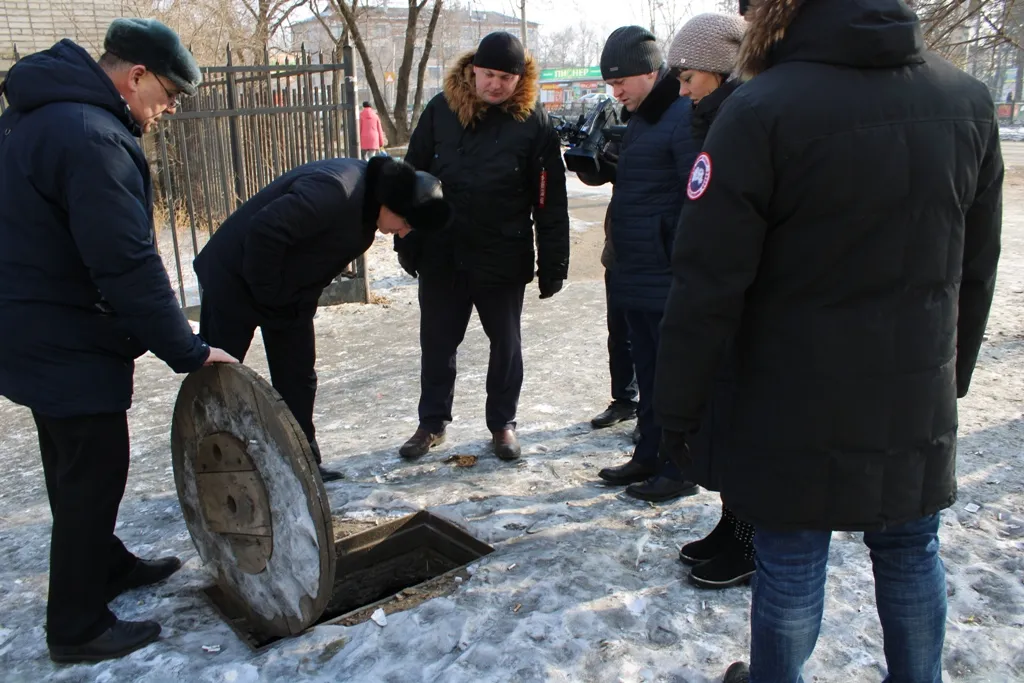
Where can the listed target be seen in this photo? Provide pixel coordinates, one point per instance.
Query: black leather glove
(405, 260)
(548, 288)
(674, 449)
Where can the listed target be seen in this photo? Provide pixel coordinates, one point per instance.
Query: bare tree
(268, 17)
(396, 120)
(572, 46)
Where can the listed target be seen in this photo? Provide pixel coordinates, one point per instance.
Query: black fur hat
(414, 195)
(156, 47)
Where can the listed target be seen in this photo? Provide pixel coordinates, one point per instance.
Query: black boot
(121, 639)
(618, 411)
(325, 474)
(734, 566)
(145, 573)
(711, 545)
(629, 473)
(660, 489)
(420, 443)
(737, 673)
(506, 444)
(329, 475)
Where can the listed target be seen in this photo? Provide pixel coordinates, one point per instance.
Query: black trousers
(446, 302)
(291, 356)
(85, 462)
(620, 357)
(645, 335)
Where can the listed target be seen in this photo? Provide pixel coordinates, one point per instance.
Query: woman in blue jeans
(844, 238)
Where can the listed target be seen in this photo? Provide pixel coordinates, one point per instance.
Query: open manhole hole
(396, 565)
(259, 517)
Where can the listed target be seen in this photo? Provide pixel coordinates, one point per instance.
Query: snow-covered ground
(1011, 133)
(584, 584)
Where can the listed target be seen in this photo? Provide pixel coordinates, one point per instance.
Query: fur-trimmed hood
(860, 34)
(460, 93)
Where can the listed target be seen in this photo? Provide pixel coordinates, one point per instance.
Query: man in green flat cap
(83, 292)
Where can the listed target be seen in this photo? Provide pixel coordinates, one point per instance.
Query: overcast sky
(603, 15)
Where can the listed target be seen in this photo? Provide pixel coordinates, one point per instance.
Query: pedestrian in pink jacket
(371, 134)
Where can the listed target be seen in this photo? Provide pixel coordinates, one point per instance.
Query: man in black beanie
(488, 139)
(269, 262)
(650, 175)
(83, 292)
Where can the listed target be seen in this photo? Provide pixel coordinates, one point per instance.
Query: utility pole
(522, 22)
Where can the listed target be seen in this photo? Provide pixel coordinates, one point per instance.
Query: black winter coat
(270, 261)
(83, 291)
(848, 237)
(654, 160)
(709, 446)
(502, 171)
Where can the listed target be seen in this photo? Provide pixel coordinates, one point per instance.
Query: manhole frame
(361, 543)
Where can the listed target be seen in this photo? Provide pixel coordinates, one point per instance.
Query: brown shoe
(506, 445)
(420, 444)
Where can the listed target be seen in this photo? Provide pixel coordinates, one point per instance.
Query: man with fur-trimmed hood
(489, 141)
(845, 227)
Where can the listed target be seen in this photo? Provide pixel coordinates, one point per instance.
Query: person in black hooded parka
(269, 262)
(704, 53)
(83, 293)
(847, 232)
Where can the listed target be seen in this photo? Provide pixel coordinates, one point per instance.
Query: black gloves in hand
(674, 449)
(548, 288)
(405, 260)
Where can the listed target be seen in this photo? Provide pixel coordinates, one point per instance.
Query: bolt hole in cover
(251, 497)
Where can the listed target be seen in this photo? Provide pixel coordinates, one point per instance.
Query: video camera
(587, 138)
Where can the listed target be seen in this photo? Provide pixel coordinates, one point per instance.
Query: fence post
(237, 162)
(169, 198)
(351, 124)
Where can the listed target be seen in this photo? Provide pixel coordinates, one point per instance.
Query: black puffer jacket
(272, 258)
(502, 171)
(83, 291)
(848, 236)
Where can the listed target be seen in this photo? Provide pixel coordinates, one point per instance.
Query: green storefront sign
(572, 73)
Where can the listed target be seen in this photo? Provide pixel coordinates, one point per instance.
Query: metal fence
(247, 125)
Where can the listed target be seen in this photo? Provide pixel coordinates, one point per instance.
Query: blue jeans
(789, 597)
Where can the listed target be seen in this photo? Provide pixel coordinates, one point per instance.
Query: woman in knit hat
(703, 54)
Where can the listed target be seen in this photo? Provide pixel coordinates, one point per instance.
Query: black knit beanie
(501, 51)
(414, 195)
(630, 51)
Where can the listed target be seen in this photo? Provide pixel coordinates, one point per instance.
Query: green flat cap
(156, 47)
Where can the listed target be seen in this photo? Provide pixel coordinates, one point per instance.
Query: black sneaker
(121, 639)
(731, 568)
(618, 411)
